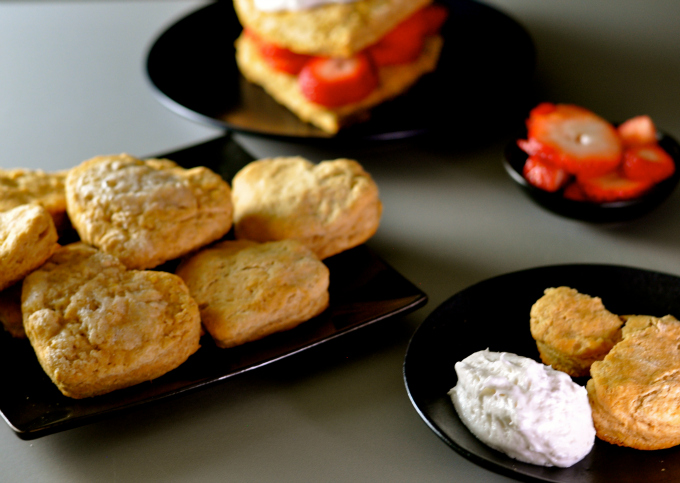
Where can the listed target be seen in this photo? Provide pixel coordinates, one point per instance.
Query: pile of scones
(102, 314)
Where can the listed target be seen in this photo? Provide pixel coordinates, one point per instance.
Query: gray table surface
(72, 86)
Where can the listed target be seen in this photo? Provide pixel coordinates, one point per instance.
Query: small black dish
(615, 211)
(482, 81)
(363, 290)
(494, 314)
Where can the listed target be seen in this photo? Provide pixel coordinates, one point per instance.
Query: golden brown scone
(635, 391)
(283, 87)
(10, 311)
(23, 186)
(248, 290)
(146, 212)
(27, 238)
(329, 207)
(97, 326)
(573, 330)
(333, 30)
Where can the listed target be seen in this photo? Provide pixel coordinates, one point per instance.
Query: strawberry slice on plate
(613, 186)
(647, 162)
(544, 175)
(334, 82)
(572, 138)
(637, 130)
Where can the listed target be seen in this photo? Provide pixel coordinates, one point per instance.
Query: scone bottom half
(96, 326)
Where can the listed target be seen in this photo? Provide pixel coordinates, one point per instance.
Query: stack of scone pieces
(102, 313)
(633, 361)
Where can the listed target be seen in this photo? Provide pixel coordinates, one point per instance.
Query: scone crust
(96, 326)
(573, 330)
(635, 391)
(283, 87)
(248, 290)
(23, 186)
(146, 212)
(334, 30)
(329, 207)
(28, 237)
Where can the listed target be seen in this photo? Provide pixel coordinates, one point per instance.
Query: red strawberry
(334, 82)
(573, 191)
(401, 45)
(637, 130)
(647, 162)
(435, 16)
(544, 175)
(572, 138)
(613, 187)
(278, 58)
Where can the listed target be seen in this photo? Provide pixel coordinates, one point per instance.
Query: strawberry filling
(607, 163)
(334, 82)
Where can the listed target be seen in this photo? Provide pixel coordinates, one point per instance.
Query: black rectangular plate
(363, 290)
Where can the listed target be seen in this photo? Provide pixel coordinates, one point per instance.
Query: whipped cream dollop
(527, 410)
(292, 5)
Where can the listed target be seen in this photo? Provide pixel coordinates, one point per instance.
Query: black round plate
(615, 211)
(494, 314)
(482, 79)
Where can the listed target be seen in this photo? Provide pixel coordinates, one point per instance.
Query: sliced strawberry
(648, 162)
(401, 45)
(544, 175)
(637, 130)
(572, 138)
(613, 187)
(278, 58)
(334, 82)
(573, 191)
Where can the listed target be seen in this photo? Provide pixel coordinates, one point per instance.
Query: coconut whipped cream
(525, 409)
(292, 5)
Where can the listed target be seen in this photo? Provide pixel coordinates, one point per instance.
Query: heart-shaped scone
(146, 212)
(329, 207)
(247, 290)
(96, 326)
(27, 238)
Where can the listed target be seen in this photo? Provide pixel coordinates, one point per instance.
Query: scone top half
(333, 30)
(146, 212)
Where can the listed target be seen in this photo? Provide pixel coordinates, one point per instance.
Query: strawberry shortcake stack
(331, 61)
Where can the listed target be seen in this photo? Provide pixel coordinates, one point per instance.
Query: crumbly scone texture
(10, 311)
(634, 392)
(24, 186)
(96, 326)
(333, 30)
(146, 212)
(572, 330)
(283, 87)
(247, 290)
(329, 207)
(28, 237)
